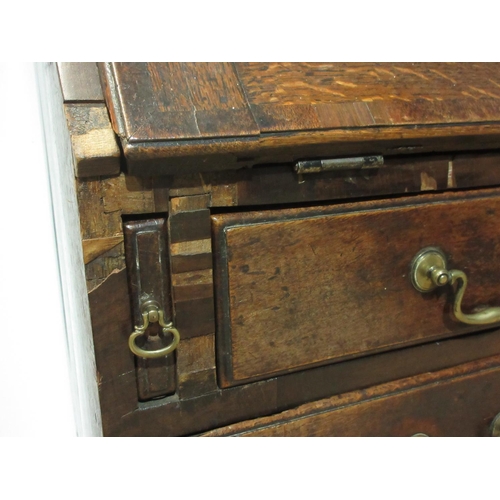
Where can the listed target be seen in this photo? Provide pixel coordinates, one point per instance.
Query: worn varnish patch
(183, 100)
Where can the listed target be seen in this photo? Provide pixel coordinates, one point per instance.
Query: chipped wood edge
(95, 151)
(95, 247)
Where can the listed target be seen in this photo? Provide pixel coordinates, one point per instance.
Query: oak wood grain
(181, 101)
(300, 287)
(191, 263)
(460, 401)
(93, 142)
(102, 202)
(146, 251)
(95, 247)
(299, 96)
(196, 367)
(111, 326)
(232, 116)
(123, 415)
(100, 268)
(188, 157)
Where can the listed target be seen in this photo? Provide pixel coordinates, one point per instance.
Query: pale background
(35, 394)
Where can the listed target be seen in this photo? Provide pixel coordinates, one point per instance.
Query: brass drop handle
(429, 270)
(151, 313)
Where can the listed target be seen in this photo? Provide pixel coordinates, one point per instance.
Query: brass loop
(429, 271)
(158, 353)
(140, 330)
(486, 317)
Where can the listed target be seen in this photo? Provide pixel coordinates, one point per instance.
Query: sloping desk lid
(181, 117)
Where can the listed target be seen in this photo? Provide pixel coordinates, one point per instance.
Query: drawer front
(298, 288)
(462, 401)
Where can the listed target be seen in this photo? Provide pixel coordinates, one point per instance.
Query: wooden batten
(192, 284)
(93, 141)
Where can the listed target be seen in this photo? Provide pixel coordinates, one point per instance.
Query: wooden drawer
(462, 401)
(189, 181)
(302, 287)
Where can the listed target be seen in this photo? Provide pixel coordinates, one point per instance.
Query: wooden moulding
(178, 158)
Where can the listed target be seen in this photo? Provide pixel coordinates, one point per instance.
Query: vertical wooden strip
(192, 283)
(196, 366)
(147, 263)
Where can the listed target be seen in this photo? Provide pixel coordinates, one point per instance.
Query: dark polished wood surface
(146, 253)
(169, 101)
(305, 286)
(350, 333)
(189, 412)
(182, 117)
(461, 401)
(308, 96)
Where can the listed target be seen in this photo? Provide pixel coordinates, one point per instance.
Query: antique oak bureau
(278, 249)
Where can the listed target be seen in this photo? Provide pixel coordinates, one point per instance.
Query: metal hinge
(336, 164)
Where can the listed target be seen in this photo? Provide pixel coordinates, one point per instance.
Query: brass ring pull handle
(151, 313)
(429, 270)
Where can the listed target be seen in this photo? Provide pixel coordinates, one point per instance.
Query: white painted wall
(47, 385)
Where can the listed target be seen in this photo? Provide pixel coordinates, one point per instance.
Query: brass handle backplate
(151, 313)
(495, 427)
(429, 270)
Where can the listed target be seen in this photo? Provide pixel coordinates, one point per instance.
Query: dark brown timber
(301, 287)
